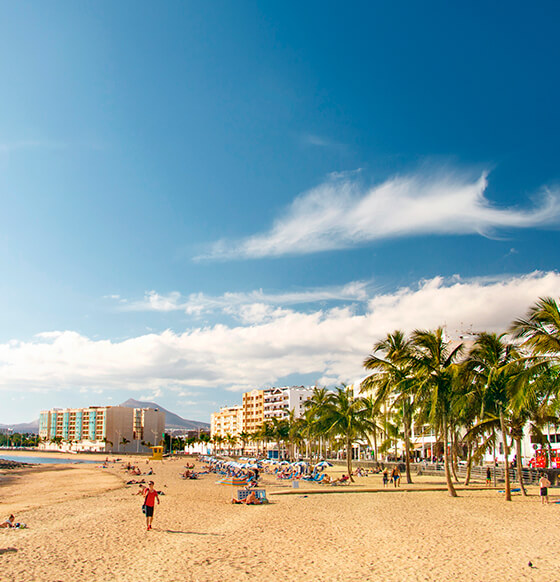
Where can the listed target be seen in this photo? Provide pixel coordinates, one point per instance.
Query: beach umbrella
(233, 481)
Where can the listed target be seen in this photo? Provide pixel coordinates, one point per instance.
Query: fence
(530, 476)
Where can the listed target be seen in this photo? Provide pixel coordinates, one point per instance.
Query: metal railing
(530, 476)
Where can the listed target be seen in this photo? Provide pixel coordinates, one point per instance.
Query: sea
(43, 460)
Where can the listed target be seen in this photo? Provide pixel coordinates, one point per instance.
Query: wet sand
(85, 524)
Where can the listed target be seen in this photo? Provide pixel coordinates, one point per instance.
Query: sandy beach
(85, 524)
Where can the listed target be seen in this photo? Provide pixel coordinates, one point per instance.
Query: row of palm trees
(468, 396)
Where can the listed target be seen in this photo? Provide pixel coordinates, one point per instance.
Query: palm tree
(296, 433)
(244, 437)
(433, 361)
(315, 405)
(540, 330)
(347, 417)
(495, 366)
(265, 434)
(231, 440)
(280, 432)
(373, 413)
(393, 378)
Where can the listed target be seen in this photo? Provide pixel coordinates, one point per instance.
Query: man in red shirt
(150, 496)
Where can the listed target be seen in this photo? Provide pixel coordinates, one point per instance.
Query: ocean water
(43, 460)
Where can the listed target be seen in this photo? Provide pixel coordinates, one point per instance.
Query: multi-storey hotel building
(101, 428)
(228, 421)
(278, 402)
(253, 410)
(259, 406)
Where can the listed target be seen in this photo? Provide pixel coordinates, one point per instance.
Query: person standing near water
(150, 496)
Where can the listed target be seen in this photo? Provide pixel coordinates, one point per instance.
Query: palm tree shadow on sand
(193, 533)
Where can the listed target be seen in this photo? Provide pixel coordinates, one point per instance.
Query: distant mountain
(23, 427)
(172, 420)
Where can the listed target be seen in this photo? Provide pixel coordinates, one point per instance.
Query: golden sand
(84, 524)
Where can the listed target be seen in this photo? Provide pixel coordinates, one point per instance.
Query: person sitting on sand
(251, 499)
(342, 481)
(8, 523)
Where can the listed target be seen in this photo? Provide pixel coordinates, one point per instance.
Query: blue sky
(202, 198)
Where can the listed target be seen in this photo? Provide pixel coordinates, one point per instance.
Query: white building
(279, 401)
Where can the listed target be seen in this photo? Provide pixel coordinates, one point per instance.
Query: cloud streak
(231, 303)
(340, 214)
(329, 344)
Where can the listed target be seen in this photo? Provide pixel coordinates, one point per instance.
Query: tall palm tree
(540, 330)
(231, 441)
(433, 361)
(279, 432)
(373, 413)
(346, 416)
(315, 406)
(265, 434)
(244, 437)
(393, 379)
(495, 366)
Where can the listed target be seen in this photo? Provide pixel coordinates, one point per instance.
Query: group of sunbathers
(135, 470)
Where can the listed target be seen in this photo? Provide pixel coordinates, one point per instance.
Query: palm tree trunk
(469, 463)
(494, 456)
(450, 487)
(407, 448)
(349, 458)
(375, 443)
(506, 454)
(519, 465)
(453, 456)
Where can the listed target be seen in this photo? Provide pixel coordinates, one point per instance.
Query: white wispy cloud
(329, 344)
(243, 303)
(340, 214)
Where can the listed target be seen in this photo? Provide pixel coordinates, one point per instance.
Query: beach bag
(144, 508)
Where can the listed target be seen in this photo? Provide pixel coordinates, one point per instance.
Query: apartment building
(253, 410)
(101, 428)
(279, 401)
(228, 421)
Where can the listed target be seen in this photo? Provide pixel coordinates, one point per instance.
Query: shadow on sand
(192, 533)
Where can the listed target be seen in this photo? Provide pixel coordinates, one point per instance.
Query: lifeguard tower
(157, 454)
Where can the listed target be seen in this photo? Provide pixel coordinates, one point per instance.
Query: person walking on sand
(396, 476)
(544, 484)
(385, 477)
(150, 497)
(488, 477)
